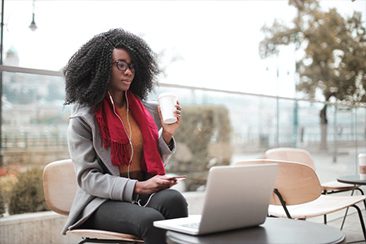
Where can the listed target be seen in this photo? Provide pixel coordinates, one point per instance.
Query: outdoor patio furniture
(59, 185)
(298, 193)
(303, 156)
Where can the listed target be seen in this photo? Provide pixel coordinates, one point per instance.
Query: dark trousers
(133, 219)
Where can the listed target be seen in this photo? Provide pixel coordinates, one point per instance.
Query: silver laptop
(236, 197)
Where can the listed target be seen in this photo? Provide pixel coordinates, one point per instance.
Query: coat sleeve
(90, 176)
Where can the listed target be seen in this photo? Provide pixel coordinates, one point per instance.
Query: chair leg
(345, 214)
(83, 241)
(361, 191)
(325, 216)
(361, 220)
(283, 202)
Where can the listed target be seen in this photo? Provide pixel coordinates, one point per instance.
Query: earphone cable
(124, 127)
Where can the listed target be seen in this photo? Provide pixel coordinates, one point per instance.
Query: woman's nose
(128, 72)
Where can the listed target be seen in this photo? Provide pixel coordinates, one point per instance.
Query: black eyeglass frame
(124, 66)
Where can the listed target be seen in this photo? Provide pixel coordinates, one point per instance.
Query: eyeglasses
(123, 66)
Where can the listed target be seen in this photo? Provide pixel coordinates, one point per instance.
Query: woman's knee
(148, 219)
(173, 204)
(175, 197)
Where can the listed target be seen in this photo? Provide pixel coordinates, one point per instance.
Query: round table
(352, 179)
(274, 230)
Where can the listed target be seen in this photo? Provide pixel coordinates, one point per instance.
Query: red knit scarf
(114, 135)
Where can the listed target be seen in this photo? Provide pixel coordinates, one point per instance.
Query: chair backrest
(296, 182)
(290, 154)
(59, 185)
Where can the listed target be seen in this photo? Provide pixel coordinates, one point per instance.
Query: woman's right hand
(154, 184)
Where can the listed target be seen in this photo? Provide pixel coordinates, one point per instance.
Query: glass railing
(34, 122)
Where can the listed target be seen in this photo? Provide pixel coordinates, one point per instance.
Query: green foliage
(2, 203)
(7, 183)
(27, 194)
(203, 140)
(334, 50)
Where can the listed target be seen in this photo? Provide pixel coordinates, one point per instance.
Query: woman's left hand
(169, 129)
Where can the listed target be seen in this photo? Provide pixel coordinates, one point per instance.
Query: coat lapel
(103, 154)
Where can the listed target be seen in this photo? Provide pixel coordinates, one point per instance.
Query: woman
(115, 142)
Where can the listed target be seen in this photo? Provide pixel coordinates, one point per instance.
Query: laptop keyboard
(193, 225)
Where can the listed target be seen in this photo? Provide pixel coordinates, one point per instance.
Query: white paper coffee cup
(362, 165)
(167, 102)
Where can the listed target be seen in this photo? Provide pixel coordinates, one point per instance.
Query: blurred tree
(334, 53)
(2, 203)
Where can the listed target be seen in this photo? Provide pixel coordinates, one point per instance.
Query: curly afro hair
(88, 71)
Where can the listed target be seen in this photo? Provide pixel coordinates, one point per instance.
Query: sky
(212, 44)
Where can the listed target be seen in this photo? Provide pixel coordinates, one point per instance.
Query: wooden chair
(303, 156)
(298, 193)
(59, 185)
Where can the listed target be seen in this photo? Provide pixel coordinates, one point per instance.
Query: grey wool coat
(98, 179)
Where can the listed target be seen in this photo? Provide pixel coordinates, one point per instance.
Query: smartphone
(178, 177)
